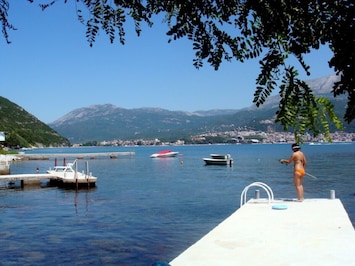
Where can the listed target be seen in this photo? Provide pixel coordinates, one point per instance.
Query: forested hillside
(24, 130)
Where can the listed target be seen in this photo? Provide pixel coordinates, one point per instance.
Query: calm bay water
(145, 210)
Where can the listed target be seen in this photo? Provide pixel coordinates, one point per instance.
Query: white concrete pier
(312, 232)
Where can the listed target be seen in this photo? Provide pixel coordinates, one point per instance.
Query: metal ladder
(243, 196)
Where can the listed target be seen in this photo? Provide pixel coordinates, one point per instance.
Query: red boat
(164, 154)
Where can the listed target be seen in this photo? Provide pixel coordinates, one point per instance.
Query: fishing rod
(311, 175)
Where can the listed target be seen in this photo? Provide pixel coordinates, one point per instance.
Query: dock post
(87, 173)
(332, 194)
(257, 194)
(76, 175)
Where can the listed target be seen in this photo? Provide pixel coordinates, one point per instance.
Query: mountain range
(109, 122)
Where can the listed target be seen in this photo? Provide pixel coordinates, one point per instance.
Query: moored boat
(164, 154)
(219, 159)
(68, 174)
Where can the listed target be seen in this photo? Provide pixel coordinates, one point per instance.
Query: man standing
(299, 160)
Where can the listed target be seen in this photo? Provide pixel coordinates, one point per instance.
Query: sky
(49, 69)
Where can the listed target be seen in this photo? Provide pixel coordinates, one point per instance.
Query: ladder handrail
(268, 190)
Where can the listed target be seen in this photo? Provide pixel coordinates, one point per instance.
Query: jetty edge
(312, 232)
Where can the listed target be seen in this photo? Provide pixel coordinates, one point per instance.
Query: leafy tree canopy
(226, 30)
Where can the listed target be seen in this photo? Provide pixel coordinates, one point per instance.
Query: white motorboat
(219, 159)
(69, 174)
(164, 154)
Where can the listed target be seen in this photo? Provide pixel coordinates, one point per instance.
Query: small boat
(219, 159)
(68, 174)
(164, 154)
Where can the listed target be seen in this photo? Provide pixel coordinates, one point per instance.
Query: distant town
(231, 137)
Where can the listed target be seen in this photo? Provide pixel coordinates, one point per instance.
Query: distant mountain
(215, 112)
(321, 87)
(23, 129)
(108, 122)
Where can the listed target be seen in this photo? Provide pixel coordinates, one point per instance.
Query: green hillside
(24, 130)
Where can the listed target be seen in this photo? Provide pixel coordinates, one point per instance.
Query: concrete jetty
(35, 179)
(62, 175)
(283, 232)
(24, 177)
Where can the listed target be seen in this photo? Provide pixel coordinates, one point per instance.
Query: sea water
(145, 210)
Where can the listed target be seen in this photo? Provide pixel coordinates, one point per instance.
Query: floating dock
(312, 232)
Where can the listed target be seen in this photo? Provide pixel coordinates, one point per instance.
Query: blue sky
(49, 69)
